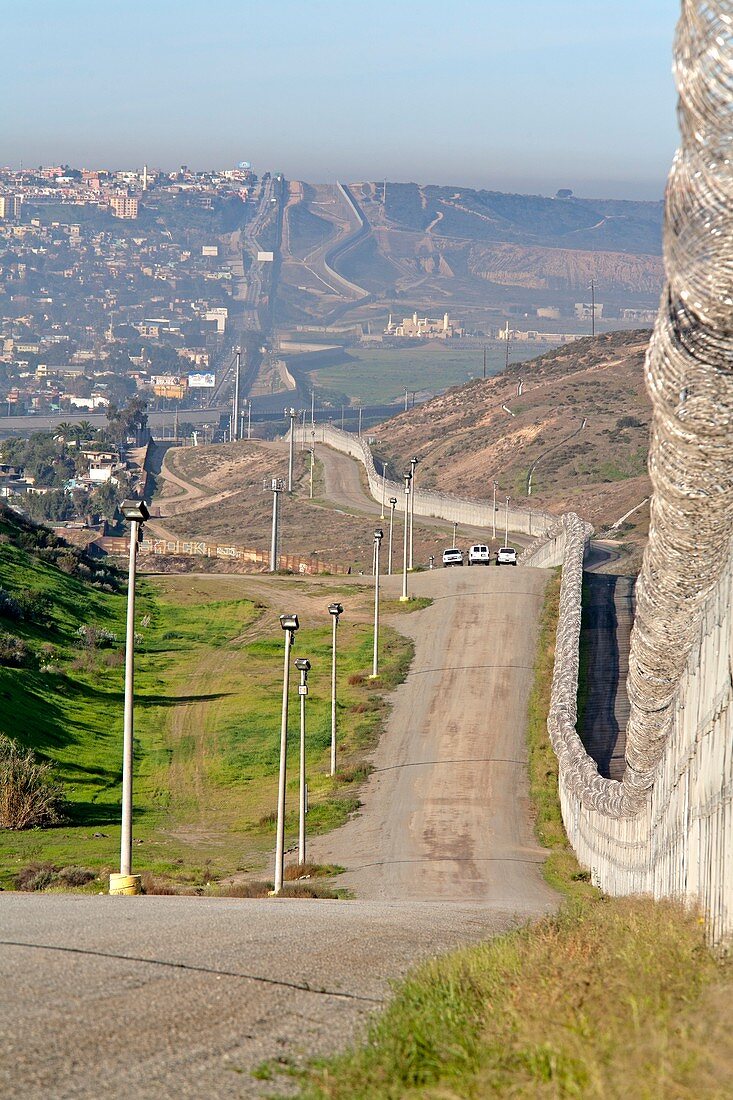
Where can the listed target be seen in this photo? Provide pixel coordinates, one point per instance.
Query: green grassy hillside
(208, 685)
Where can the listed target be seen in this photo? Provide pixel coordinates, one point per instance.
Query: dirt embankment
(577, 418)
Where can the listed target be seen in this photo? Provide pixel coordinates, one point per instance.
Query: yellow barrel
(125, 884)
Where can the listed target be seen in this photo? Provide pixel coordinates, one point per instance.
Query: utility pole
(289, 623)
(404, 596)
(360, 421)
(313, 409)
(392, 505)
(303, 666)
(312, 457)
(292, 414)
(506, 357)
(413, 464)
(506, 523)
(276, 485)
(455, 532)
(592, 307)
(378, 536)
(484, 375)
(494, 511)
(235, 411)
(335, 610)
(249, 419)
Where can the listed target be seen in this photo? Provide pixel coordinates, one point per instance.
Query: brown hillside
(580, 428)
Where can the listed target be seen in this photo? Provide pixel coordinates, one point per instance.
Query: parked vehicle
(479, 555)
(452, 556)
(506, 555)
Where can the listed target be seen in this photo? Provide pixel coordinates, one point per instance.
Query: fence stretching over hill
(428, 502)
(666, 828)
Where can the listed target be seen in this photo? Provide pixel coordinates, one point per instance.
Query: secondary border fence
(428, 502)
(199, 548)
(666, 828)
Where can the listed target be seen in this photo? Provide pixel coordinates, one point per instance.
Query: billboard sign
(201, 381)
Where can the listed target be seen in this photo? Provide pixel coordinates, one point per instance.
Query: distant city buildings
(124, 206)
(424, 328)
(584, 311)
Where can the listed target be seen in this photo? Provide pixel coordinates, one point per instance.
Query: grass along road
(208, 687)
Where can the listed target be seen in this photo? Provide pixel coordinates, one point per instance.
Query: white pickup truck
(506, 555)
(452, 556)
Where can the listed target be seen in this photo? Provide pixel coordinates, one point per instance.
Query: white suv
(479, 555)
(506, 555)
(453, 556)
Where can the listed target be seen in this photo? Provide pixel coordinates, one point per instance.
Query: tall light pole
(413, 464)
(384, 477)
(313, 409)
(313, 455)
(455, 532)
(593, 307)
(290, 624)
(249, 419)
(404, 596)
(235, 411)
(334, 610)
(493, 514)
(506, 522)
(276, 485)
(136, 513)
(303, 666)
(378, 536)
(392, 505)
(292, 414)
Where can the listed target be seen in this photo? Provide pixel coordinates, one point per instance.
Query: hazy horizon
(485, 96)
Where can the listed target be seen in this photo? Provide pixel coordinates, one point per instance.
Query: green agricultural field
(376, 376)
(208, 693)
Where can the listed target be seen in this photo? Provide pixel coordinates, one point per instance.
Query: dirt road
(446, 813)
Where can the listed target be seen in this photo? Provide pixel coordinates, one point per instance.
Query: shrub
(28, 795)
(36, 876)
(14, 652)
(35, 606)
(76, 876)
(9, 606)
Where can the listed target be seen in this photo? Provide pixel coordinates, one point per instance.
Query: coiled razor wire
(689, 377)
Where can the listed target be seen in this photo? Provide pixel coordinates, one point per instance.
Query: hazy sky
(526, 95)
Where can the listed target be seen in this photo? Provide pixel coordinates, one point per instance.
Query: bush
(36, 876)
(9, 606)
(35, 606)
(14, 652)
(28, 795)
(76, 876)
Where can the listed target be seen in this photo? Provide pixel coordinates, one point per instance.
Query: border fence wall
(428, 502)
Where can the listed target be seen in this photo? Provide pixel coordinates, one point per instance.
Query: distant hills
(577, 435)
(471, 251)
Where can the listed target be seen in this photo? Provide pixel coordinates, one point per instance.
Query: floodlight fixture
(289, 622)
(135, 511)
(302, 664)
(378, 534)
(335, 609)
